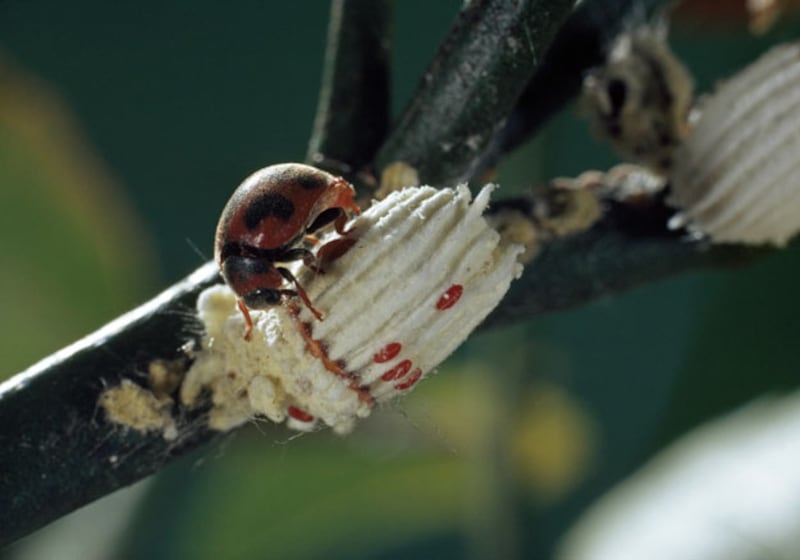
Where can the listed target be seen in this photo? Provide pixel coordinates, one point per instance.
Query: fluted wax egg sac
(737, 177)
(425, 270)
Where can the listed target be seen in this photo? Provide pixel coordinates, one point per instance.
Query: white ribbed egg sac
(737, 177)
(423, 272)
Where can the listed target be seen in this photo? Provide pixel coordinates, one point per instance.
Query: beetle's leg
(326, 254)
(298, 291)
(248, 321)
(332, 250)
(336, 215)
(339, 223)
(301, 253)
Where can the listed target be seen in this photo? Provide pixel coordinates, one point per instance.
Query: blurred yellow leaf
(73, 252)
(552, 442)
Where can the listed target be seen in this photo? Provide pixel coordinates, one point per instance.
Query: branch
(353, 111)
(629, 246)
(581, 44)
(471, 86)
(57, 451)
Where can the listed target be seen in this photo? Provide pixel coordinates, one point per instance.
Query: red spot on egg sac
(299, 414)
(398, 371)
(411, 381)
(387, 352)
(450, 297)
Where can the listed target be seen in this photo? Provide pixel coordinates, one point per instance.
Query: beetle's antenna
(197, 250)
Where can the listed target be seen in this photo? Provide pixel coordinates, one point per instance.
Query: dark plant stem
(353, 110)
(473, 83)
(629, 246)
(57, 450)
(581, 44)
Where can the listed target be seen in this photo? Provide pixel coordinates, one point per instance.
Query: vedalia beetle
(265, 222)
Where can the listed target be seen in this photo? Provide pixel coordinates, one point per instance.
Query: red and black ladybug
(265, 222)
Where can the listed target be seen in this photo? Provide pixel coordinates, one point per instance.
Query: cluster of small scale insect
(424, 271)
(736, 177)
(732, 171)
(640, 98)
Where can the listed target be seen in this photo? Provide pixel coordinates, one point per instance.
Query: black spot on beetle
(265, 206)
(310, 182)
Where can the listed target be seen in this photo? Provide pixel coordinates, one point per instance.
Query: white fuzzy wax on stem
(424, 271)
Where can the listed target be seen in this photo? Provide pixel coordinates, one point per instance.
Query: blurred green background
(123, 129)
